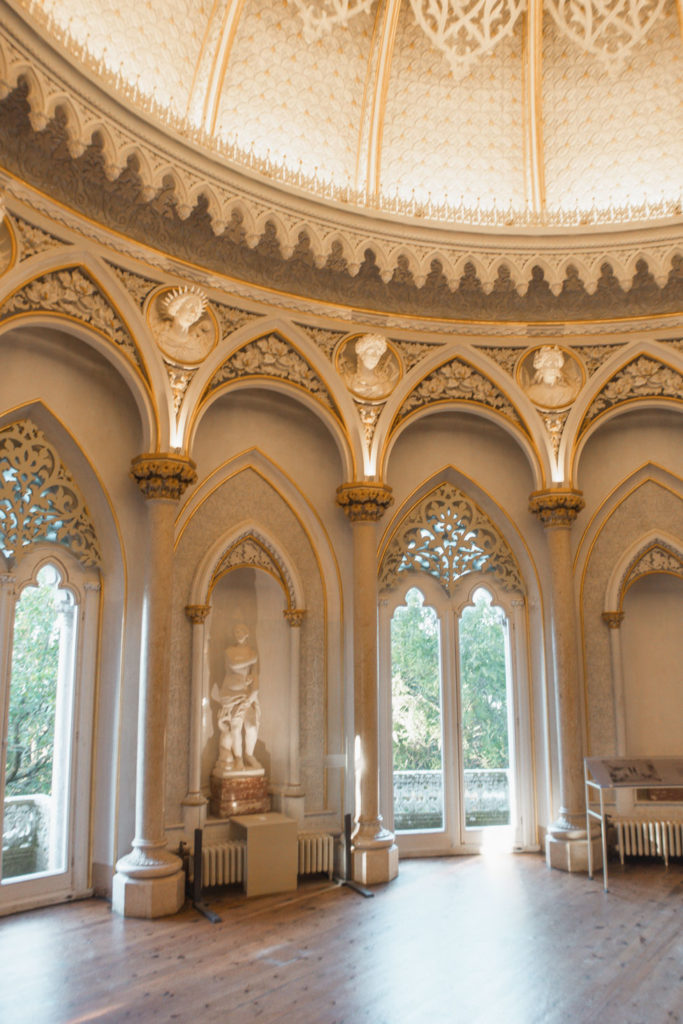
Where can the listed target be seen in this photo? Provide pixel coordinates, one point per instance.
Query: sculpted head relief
(551, 377)
(369, 367)
(183, 324)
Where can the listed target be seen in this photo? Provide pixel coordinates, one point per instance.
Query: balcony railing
(418, 799)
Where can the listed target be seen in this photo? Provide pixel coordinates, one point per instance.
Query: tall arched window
(456, 758)
(49, 602)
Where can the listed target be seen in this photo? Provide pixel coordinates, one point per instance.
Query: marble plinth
(239, 794)
(572, 854)
(374, 866)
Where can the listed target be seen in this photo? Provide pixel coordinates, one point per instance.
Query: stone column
(557, 509)
(293, 795)
(194, 804)
(375, 854)
(149, 881)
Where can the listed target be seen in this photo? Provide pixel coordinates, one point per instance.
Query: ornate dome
(468, 111)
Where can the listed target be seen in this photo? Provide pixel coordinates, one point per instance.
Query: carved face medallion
(551, 376)
(183, 324)
(369, 366)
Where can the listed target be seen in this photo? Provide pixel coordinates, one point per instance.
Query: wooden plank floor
(466, 939)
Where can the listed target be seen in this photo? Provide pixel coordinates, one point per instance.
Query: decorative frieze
(71, 292)
(163, 474)
(448, 536)
(271, 356)
(457, 380)
(643, 377)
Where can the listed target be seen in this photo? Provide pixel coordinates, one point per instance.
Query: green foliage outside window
(415, 684)
(483, 686)
(33, 691)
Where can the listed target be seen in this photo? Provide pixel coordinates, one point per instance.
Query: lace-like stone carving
(412, 352)
(231, 318)
(466, 29)
(33, 240)
(252, 551)
(271, 356)
(609, 29)
(457, 380)
(73, 293)
(448, 536)
(179, 379)
(324, 339)
(656, 558)
(319, 16)
(641, 378)
(39, 500)
(137, 285)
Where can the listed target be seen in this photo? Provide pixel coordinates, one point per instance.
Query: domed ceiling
(498, 111)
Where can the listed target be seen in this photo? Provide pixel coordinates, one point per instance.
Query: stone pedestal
(239, 794)
(371, 867)
(572, 854)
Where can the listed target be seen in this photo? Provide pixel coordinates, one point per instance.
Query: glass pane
(484, 702)
(39, 731)
(416, 717)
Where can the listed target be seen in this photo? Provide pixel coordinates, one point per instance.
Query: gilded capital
(163, 474)
(197, 613)
(294, 616)
(364, 502)
(556, 507)
(613, 619)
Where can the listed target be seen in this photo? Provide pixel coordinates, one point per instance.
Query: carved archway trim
(448, 536)
(250, 549)
(657, 552)
(73, 293)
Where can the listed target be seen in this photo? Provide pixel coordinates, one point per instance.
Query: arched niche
(643, 611)
(247, 579)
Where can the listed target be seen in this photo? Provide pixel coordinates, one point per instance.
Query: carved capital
(364, 502)
(163, 474)
(613, 619)
(294, 616)
(197, 613)
(556, 507)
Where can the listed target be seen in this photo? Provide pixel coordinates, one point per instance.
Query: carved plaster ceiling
(506, 111)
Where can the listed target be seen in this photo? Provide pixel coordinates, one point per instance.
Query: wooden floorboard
(503, 940)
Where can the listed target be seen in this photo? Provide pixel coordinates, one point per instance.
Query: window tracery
(448, 536)
(39, 500)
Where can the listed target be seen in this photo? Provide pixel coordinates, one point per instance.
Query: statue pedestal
(243, 792)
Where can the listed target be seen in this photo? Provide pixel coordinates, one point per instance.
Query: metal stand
(197, 901)
(347, 846)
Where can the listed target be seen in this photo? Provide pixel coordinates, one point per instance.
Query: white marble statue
(555, 382)
(240, 713)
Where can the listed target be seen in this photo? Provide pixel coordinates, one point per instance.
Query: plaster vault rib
(379, 95)
(533, 105)
(212, 98)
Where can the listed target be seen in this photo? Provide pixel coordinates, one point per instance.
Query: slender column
(149, 881)
(557, 510)
(293, 796)
(375, 855)
(614, 620)
(194, 804)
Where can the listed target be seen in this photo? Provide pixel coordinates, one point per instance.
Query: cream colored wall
(652, 650)
(631, 473)
(84, 407)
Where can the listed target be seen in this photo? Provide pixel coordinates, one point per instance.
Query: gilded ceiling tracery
(434, 107)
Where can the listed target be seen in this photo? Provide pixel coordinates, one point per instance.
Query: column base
(148, 897)
(371, 867)
(572, 854)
